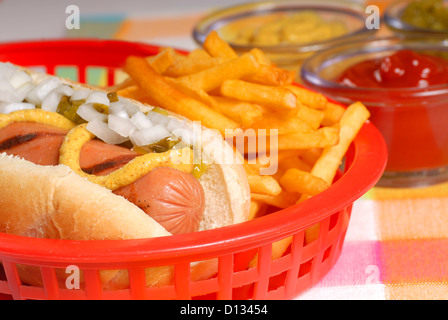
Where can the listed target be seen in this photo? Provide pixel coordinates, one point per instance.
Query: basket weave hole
(67, 72)
(97, 76)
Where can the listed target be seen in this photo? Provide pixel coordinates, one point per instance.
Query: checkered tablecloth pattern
(396, 245)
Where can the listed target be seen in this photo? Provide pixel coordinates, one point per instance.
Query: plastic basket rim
(369, 160)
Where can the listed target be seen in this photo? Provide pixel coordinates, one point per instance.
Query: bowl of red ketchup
(403, 81)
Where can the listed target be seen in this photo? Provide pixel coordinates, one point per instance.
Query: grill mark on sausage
(20, 139)
(121, 160)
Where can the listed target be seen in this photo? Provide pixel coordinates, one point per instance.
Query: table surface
(396, 245)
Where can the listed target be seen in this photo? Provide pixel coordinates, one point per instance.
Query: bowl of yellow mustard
(287, 31)
(422, 16)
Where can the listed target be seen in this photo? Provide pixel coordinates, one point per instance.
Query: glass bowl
(261, 23)
(412, 120)
(395, 18)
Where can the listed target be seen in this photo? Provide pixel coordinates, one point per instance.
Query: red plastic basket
(298, 269)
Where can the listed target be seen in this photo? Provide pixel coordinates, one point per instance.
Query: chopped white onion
(7, 91)
(7, 69)
(131, 108)
(38, 93)
(89, 113)
(149, 135)
(141, 121)
(119, 109)
(6, 107)
(125, 120)
(23, 91)
(103, 132)
(98, 97)
(80, 94)
(20, 78)
(180, 145)
(51, 101)
(185, 134)
(175, 124)
(120, 125)
(158, 118)
(7, 96)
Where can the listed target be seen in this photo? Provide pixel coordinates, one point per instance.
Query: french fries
(305, 135)
(277, 98)
(242, 112)
(264, 185)
(213, 77)
(173, 100)
(216, 47)
(295, 180)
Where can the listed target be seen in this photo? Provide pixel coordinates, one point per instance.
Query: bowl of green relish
(423, 16)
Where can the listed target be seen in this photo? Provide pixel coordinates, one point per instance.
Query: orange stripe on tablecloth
(135, 29)
(439, 190)
(412, 218)
(414, 261)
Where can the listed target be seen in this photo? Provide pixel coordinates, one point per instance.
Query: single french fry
(160, 90)
(136, 93)
(276, 98)
(321, 138)
(198, 53)
(160, 62)
(257, 209)
(163, 60)
(278, 249)
(256, 165)
(327, 165)
(295, 180)
(217, 47)
(309, 98)
(251, 169)
(296, 163)
(283, 123)
(261, 57)
(332, 114)
(262, 142)
(310, 156)
(311, 116)
(213, 77)
(190, 65)
(242, 112)
(266, 185)
(272, 76)
(196, 93)
(353, 119)
(126, 83)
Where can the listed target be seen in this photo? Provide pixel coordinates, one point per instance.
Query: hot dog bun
(54, 202)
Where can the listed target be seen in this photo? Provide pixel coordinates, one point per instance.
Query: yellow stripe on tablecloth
(436, 191)
(417, 291)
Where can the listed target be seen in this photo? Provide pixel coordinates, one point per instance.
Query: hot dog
(62, 178)
(171, 197)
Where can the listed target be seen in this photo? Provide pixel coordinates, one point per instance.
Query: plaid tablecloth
(396, 247)
(397, 242)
